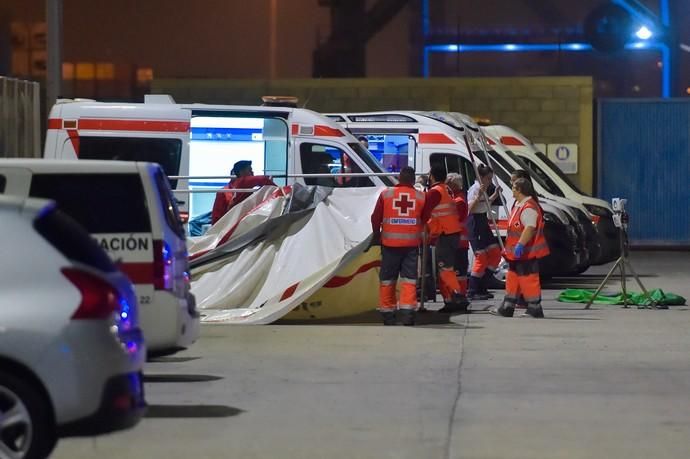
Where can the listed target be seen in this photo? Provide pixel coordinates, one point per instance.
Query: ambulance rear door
(222, 135)
(155, 132)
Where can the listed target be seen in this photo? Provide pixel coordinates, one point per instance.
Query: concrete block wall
(545, 109)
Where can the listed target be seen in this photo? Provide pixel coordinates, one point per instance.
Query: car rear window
(172, 213)
(165, 152)
(102, 203)
(71, 240)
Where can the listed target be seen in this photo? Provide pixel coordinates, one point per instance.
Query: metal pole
(54, 45)
(484, 195)
(485, 147)
(36, 120)
(603, 283)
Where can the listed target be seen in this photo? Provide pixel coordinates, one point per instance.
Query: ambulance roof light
(280, 101)
(482, 121)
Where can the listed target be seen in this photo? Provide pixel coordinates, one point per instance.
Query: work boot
(484, 282)
(407, 317)
(388, 317)
(534, 310)
(503, 310)
(478, 296)
(461, 301)
(474, 292)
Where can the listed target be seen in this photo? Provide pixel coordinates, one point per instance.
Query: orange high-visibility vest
(444, 217)
(464, 235)
(402, 217)
(537, 246)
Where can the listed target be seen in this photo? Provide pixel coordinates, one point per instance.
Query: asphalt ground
(607, 382)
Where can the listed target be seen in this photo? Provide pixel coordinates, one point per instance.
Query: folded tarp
(574, 295)
(266, 274)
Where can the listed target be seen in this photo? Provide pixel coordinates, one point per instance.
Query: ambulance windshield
(370, 160)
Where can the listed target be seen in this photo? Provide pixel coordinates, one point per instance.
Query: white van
(204, 141)
(129, 209)
(558, 183)
(419, 139)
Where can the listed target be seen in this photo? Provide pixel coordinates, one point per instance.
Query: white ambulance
(559, 184)
(420, 139)
(204, 141)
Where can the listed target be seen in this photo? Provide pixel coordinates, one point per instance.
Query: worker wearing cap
(441, 215)
(245, 179)
(525, 245)
(397, 221)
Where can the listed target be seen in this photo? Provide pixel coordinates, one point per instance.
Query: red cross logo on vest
(404, 204)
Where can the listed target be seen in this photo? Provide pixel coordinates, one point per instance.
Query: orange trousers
(488, 258)
(398, 263)
(446, 248)
(523, 279)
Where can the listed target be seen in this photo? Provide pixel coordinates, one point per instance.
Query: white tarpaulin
(264, 276)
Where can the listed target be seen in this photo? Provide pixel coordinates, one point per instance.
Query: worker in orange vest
(454, 182)
(525, 245)
(397, 221)
(441, 215)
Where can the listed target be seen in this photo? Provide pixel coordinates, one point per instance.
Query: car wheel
(26, 428)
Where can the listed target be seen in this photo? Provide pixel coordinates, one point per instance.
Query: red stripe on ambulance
(327, 131)
(101, 124)
(133, 125)
(435, 137)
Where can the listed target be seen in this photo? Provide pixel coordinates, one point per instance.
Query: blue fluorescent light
(508, 47)
(643, 33)
(512, 47)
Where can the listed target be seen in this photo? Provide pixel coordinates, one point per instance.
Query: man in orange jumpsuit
(397, 221)
(441, 215)
(454, 182)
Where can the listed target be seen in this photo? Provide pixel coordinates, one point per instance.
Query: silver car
(71, 351)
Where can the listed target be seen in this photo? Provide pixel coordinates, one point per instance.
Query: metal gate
(644, 156)
(20, 118)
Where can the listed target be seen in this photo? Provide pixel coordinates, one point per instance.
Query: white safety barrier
(20, 118)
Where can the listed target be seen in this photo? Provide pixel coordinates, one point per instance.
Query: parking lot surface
(606, 382)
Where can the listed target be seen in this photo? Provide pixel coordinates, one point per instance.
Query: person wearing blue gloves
(525, 245)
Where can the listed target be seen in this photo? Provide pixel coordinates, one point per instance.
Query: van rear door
(122, 227)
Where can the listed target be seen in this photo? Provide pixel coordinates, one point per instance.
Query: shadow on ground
(179, 378)
(172, 359)
(191, 411)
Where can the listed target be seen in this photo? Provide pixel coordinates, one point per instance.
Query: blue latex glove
(519, 250)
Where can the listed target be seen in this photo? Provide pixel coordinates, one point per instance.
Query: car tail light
(184, 216)
(595, 219)
(162, 266)
(99, 299)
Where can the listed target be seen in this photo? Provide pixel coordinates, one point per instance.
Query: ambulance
(201, 142)
(420, 139)
(559, 184)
